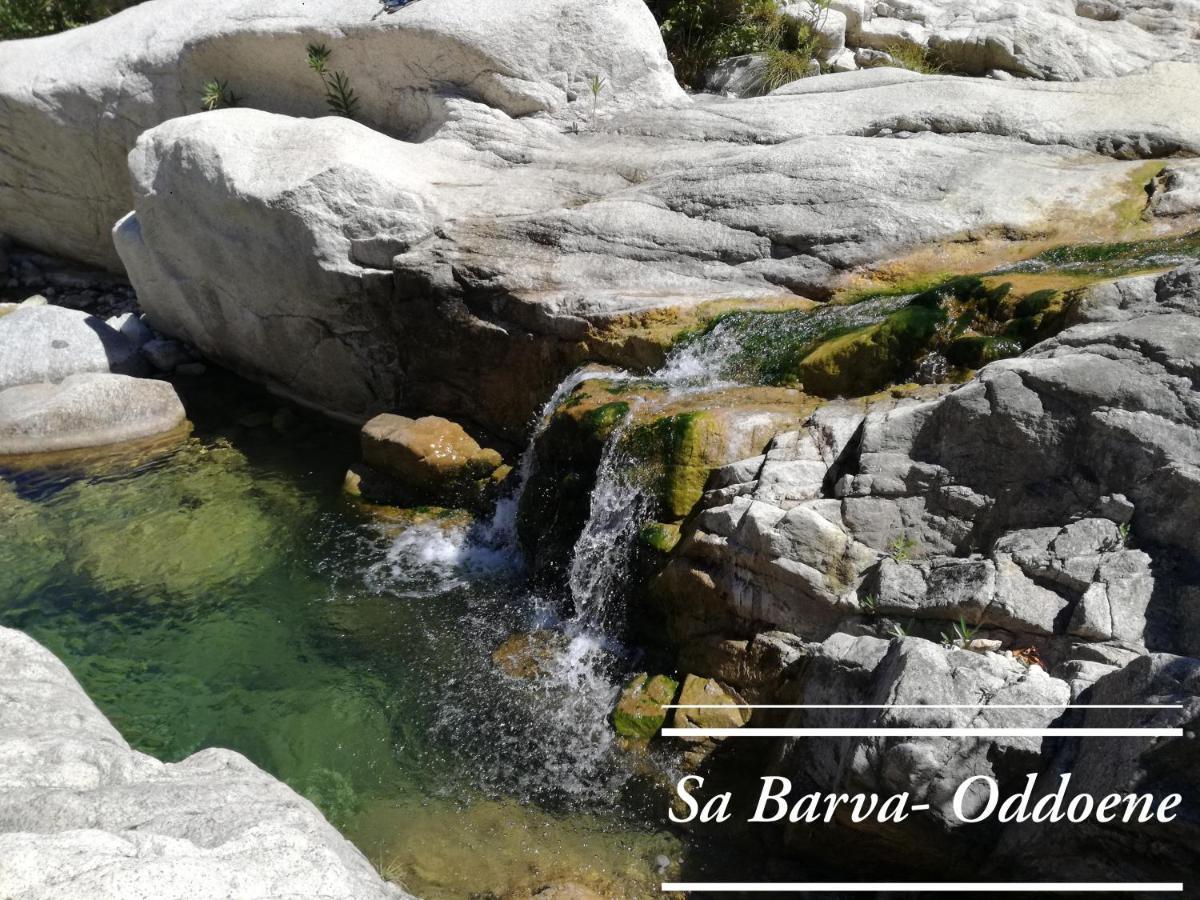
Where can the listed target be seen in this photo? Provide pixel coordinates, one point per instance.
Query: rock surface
(430, 457)
(84, 816)
(1059, 40)
(86, 410)
(72, 104)
(511, 245)
(48, 343)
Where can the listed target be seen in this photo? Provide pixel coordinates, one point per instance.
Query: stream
(230, 594)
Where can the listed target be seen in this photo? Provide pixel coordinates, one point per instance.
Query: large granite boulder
(1123, 851)
(72, 104)
(84, 816)
(86, 410)
(393, 275)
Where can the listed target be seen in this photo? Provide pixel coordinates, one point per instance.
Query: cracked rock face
(84, 816)
(1046, 499)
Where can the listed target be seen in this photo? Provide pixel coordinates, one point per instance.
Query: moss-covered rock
(869, 358)
(639, 713)
(659, 537)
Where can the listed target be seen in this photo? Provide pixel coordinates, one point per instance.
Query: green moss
(599, 422)
(868, 359)
(1124, 256)
(639, 713)
(675, 447)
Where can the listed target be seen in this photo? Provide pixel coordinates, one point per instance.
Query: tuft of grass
(215, 94)
(784, 67)
(901, 548)
(914, 58)
(596, 85)
(869, 604)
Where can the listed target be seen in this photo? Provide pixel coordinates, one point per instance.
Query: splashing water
(428, 559)
(502, 530)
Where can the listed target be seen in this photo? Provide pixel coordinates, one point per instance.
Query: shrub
(700, 33)
(32, 18)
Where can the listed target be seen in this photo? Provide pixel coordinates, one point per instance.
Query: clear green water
(229, 595)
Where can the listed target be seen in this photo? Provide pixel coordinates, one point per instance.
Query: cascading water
(561, 717)
(600, 558)
(502, 530)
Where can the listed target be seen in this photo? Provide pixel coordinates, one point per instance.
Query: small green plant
(1123, 533)
(215, 94)
(901, 548)
(897, 630)
(596, 85)
(961, 634)
(869, 604)
(339, 96)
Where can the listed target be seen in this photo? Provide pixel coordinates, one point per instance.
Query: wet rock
(430, 457)
(48, 343)
(639, 713)
(84, 816)
(529, 655)
(729, 711)
(86, 410)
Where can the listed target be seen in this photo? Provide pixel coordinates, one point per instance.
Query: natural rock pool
(228, 594)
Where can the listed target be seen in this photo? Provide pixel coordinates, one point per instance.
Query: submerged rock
(529, 655)
(82, 815)
(86, 410)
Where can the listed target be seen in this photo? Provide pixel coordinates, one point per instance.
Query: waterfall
(601, 556)
(502, 530)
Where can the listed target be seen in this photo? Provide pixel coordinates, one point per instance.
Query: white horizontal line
(922, 732)
(927, 887)
(923, 705)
